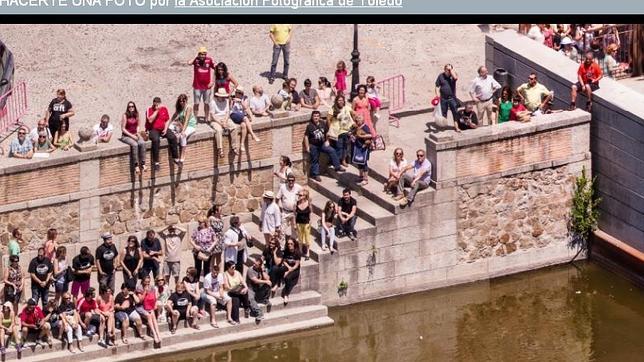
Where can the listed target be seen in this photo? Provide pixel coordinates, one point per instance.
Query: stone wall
(616, 134)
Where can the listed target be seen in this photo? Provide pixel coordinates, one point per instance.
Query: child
(341, 74)
(374, 97)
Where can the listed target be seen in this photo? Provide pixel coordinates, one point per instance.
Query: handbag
(236, 289)
(69, 275)
(378, 144)
(203, 256)
(359, 155)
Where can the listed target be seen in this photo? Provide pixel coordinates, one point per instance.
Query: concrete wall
(617, 128)
(500, 206)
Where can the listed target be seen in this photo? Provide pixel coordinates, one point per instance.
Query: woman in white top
(235, 245)
(285, 169)
(259, 102)
(325, 91)
(396, 167)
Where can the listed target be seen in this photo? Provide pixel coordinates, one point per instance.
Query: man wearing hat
(271, 217)
(106, 254)
(220, 120)
(568, 50)
(202, 80)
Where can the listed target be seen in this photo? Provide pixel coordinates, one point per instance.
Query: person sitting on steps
(418, 180)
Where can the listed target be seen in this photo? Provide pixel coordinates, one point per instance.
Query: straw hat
(221, 92)
(268, 195)
(203, 50)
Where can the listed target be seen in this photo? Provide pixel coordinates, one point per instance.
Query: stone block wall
(617, 129)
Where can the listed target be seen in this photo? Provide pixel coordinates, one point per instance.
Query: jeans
(348, 227)
(107, 279)
(40, 293)
(341, 146)
(452, 104)
(406, 180)
(202, 266)
(286, 49)
(155, 137)
(137, 150)
(149, 266)
(314, 153)
(331, 236)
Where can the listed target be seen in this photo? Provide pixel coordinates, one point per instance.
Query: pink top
(131, 125)
(361, 106)
(149, 300)
(104, 306)
(341, 80)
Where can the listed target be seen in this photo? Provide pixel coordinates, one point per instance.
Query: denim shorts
(199, 94)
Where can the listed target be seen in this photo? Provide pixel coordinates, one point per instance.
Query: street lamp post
(355, 60)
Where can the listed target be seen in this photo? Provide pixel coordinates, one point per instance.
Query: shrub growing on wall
(584, 213)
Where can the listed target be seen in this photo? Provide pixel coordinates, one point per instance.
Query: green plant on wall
(584, 213)
(342, 288)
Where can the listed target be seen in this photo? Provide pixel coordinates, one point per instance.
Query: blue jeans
(314, 153)
(39, 293)
(347, 227)
(286, 50)
(452, 105)
(341, 146)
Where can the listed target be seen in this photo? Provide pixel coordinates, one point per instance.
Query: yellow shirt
(342, 122)
(281, 32)
(533, 95)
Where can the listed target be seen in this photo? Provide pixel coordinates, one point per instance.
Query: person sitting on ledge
(90, 318)
(241, 115)
(130, 135)
(259, 102)
(103, 130)
(126, 314)
(157, 124)
(213, 293)
(315, 142)
(20, 147)
(296, 101)
(417, 181)
(568, 49)
(467, 118)
(184, 124)
(309, 96)
(63, 138)
(43, 145)
(588, 76)
(237, 289)
(346, 210)
(41, 127)
(70, 322)
(259, 283)
(534, 95)
(285, 93)
(396, 166)
(220, 121)
(33, 321)
(517, 107)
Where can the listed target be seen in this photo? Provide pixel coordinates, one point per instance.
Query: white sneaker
(376, 116)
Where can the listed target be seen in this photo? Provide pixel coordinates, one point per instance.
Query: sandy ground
(104, 66)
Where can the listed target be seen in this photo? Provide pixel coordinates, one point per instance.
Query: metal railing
(393, 88)
(13, 105)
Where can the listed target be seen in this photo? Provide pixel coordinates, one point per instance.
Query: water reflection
(556, 314)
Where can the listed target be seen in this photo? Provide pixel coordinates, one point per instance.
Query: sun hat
(566, 41)
(203, 50)
(221, 92)
(268, 195)
(239, 89)
(8, 305)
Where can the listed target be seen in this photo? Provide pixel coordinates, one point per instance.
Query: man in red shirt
(157, 122)
(202, 80)
(588, 76)
(33, 321)
(91, 319)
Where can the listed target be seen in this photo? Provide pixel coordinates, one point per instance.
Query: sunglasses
(532, 78)
(419, 156)
(398, 153)
(23, 133)
(130, 106)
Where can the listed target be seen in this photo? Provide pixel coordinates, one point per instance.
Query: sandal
(364, 182)
(214, 325)
(195, 326)
(124, 340)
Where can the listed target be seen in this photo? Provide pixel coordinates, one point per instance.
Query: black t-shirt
(41, 268)
(295, 97)
(303, 216)
(180, 301)
(291, 257)
(131, 261)
(268, 257)
(66, 308)
(463, 116)
(316, 133)
(53, 314)
(125, 301)
(57, 108)
(82, 263)
(447, 85)
(147, 246)
(346, 206)
(105, 255)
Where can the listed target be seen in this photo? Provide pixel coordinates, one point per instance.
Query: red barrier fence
(13, 105)
(393, 88)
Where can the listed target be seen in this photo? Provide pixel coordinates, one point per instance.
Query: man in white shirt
(287, 199)
(235, 249)
(418, 180)
(271, 218)
(103, 131)
(213, 293)
(220, 120)
(42, 127)
(482, 91)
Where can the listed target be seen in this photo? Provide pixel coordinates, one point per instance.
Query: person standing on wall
(280, 35)
(59, 110)
(202, 81)
(482, 91)
(446, 90)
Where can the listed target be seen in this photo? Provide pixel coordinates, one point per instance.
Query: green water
(556, 314)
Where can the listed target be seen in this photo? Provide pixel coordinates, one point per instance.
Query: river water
(564, 313)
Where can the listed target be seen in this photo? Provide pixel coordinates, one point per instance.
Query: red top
(131, 125)
(162, 117)
(589, 73)
(31, 318)
(202, 77)
(515, 110)
(85, 306)
(104, 306)
(148, 298)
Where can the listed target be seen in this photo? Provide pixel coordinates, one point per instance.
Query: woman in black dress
(131, 262)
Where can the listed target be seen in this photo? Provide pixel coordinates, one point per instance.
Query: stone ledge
(453, 140)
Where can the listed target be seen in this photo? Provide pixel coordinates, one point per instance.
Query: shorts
(216, 300)
(593, 86)
(183, 314)
(171, 268)
(61, 286)
(122, 316)
(11, 296)
(201, 94)
(95, 319)
(374, 103)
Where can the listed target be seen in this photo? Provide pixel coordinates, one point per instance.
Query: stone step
(273, 319)
(296, 300)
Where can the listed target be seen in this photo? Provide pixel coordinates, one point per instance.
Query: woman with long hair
(362, 107)
(131, 135)
(51, 244)
(184, 123)
(61, 281)
(327, 227)
(303, 221)
(63, 138)
(131, 261)
(340, 120)
(504, 104)
(285, 169)
(105, 302)
(223, 78)
(13, 281)
(8, 328)
(325, 90)
(217, 225)
(147, 308)
(396, 170)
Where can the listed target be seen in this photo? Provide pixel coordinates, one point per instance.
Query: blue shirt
(20, 149)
